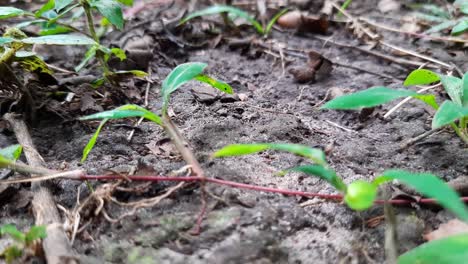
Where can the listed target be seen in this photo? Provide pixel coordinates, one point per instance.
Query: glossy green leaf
(90, 54)
(12, 231)
(46, 7)
(225, 9)
(315, 155)
(8, 12)
(465, 89)
(4, 41)
(60, 4)
(368, 98)
(448, 113)
(92, 141)
(60, 40)
(179, 76)
(453, 87)
(360, 195)
(12, 152)
(220, 85)
(111, 10)
(124, 112)
(430, 186)
(35, 233)
(449, 250)
(274, 19)
(126, 2)
(421, 77)
(323, 173)
(460, 28)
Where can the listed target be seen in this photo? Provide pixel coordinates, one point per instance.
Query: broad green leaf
(179, 76)
(5, 40)
(429, 99)
(465, 89)
(220, 85)
(430, 186)
(316, 155)
(453, 87)
(368, 98)
(12, 231)
(421, 77)
(124, 112)
(60, 4)
(60, 40)
(92, 141)
(46, 7)
(449, 250)
(8, 12)
(448, 113)
(274, 19)
(228, 9)
(111, 10)
(360, 195)
(460, 28)
(35, 233)
(12, 152)
(323, 173)
(126, 2)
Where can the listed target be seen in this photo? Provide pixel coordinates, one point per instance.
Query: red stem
(248, 187)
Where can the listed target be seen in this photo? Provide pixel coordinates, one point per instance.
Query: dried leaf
(452, 227)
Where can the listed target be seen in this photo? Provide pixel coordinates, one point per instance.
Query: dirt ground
(249, 226)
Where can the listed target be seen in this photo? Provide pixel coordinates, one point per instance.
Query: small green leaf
(12, 152)
(119, 53)
(316, 155)
(368, 98)
(90, 53)
(220, 85)
(54, 30)
(65, 39)
(135, 73)
(449, 250)
(453, 87)
(5, 40)
(460, 28)
(430, 186)
(421, 77)
(441, 26)
(465, 89)
(448, 113)
(179, 76)
(92, 141)
(429, 99)
(11, 230)
(60, 4)
(360, 195)
(111, 10)
(274, 19)
(124, 112)
(47, 7)
(126, 2)
(323, 173)
(9, 12)
(35, 233)
(225, 9)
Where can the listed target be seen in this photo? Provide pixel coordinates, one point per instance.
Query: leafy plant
(358, 195)
(176, 78)
(236, 12)
(448, 113)
(23, 242)
(15, 44)
(445, 19)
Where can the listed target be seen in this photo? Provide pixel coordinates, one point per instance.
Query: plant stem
(460, 133)
(61, 24)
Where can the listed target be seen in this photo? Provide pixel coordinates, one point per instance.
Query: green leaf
(225, 9)
(111, 10)
(274, 19)
(441, 26)
(135, 73)
(11, 230)
(448, 113)
(60, 4)
(126, 2)
(90, 53)
(316, 155)
(179, 76)
(460, 28)
(92, 141)
(12, 152)
(430, 186)
(5, 40)
(35, 233)
(449, 250)
(465, 89)
(124, 112)
(220, 85)
(54, 30)
(368, 98)
(47, 7)
(119, 53)
(9, 12)
(323, 173)
(453, 87)
(421, 77)
(429, 99)
(65, 39)
(360, 195)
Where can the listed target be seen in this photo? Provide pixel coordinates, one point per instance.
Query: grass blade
(220, 85)
(323, 173)
(124, 112)
(92, 141)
